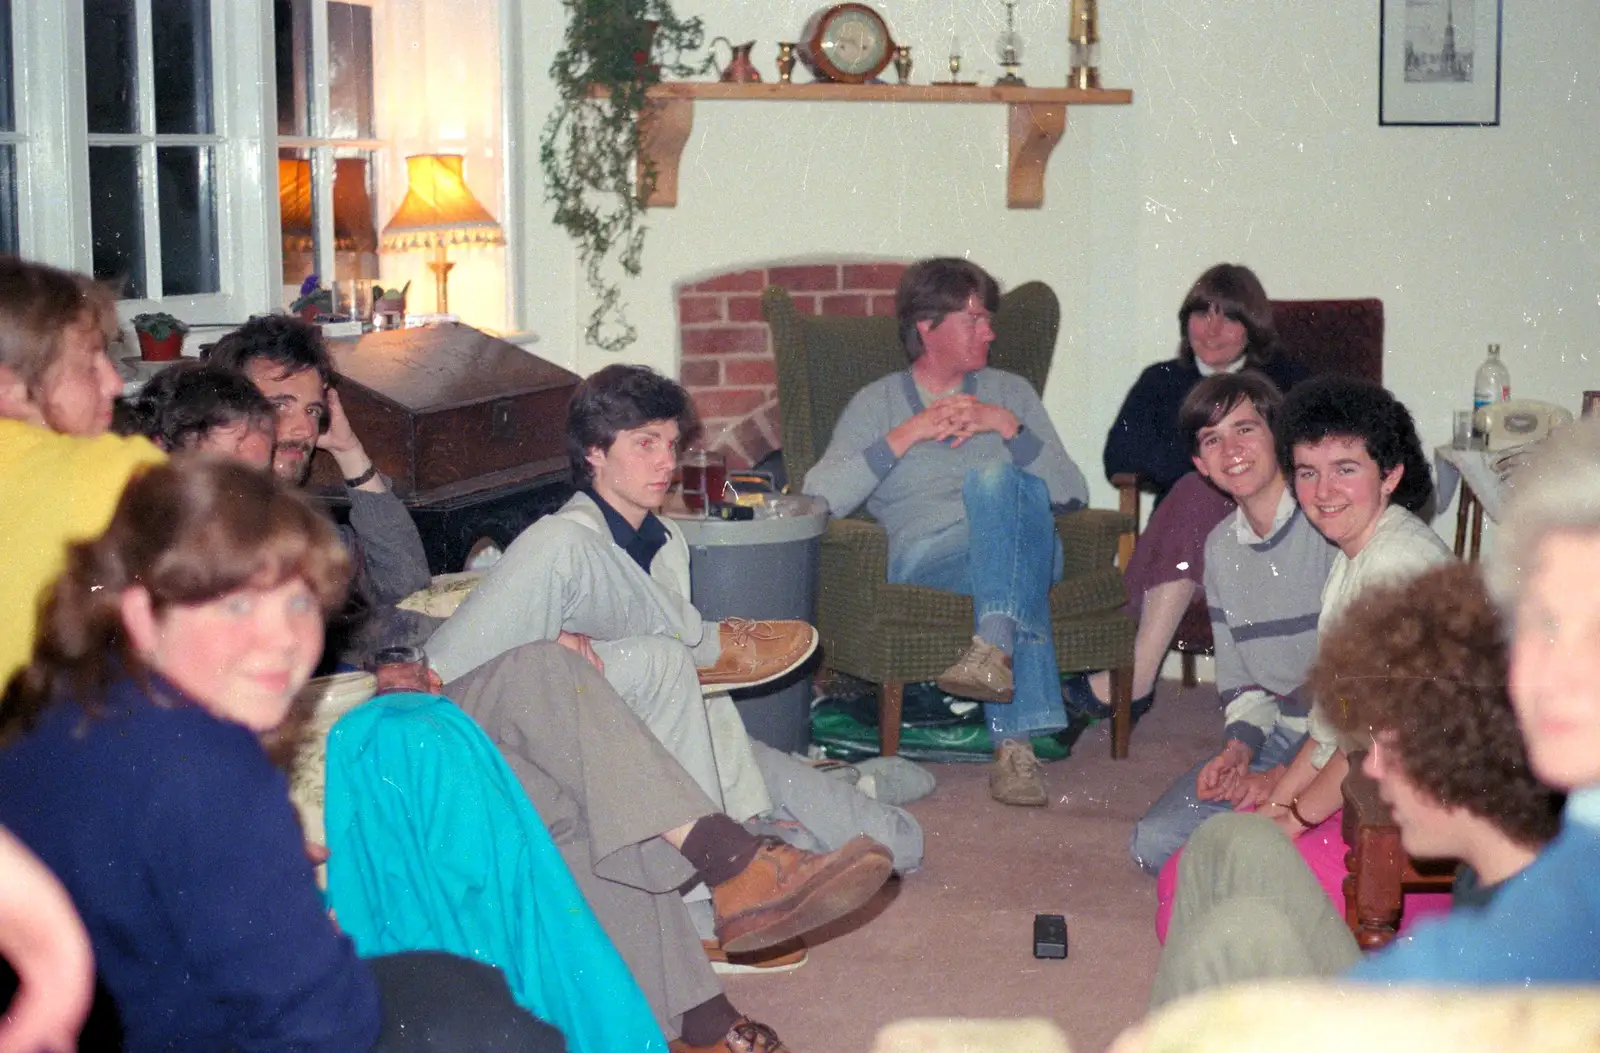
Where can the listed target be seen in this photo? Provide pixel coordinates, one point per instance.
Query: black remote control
(1049, 936)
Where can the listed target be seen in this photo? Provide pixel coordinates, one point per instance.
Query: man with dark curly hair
(1422, 669)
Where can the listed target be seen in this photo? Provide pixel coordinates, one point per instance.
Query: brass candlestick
(786, 62)
(902, 63)
(1083, 36)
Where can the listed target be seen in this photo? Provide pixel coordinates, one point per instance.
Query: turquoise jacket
(436, 847)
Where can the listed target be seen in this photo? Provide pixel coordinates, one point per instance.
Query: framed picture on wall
(1439, 62)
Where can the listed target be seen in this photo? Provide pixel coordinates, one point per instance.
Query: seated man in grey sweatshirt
(1265, 568)
(950, 450)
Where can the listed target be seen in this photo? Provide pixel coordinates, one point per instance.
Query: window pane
(109, 53)
(8, 200)
(355, 217)
(188, 220)
(116, 217)
(181, 33)
(294, 211)
(291, 23)
(8, 116)
(349, 71)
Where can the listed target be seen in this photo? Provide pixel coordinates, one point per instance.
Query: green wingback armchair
(892, 635)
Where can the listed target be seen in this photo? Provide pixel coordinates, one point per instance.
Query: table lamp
(438, 211)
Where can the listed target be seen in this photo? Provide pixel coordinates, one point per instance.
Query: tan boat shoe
(1016, 777)
(755, 653)
(983, 673)
(786, 892)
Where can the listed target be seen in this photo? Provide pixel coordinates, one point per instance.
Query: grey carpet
(956, 938)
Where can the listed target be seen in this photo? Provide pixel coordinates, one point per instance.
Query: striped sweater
(1264, 597)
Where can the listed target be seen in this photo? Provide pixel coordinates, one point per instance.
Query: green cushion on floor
(846, 728)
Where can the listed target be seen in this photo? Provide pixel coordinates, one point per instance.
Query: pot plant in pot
(160, 336)
(613, 51)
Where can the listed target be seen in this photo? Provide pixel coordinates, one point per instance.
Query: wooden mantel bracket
(664, 127)
(1034, 128)
(1037, 118)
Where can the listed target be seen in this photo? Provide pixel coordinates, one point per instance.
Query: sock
(999, 630)
(709, 1022)
(719, 849)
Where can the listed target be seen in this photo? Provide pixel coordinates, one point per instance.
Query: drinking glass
(400, 669)
(705, 474)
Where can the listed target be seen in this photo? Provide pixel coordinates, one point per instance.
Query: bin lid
(770, 530)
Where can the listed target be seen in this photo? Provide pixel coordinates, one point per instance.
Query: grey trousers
(1247, 908)
(605, 787)
(559, 575)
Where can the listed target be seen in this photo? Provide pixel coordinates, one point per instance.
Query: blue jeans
(1178, 813)
(1008, 572)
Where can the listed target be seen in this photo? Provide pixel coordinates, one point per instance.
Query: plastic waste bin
(763, 568)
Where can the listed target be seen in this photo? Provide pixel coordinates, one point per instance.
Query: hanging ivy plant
(613, 51)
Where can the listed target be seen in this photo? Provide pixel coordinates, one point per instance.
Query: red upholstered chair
(1324, 336)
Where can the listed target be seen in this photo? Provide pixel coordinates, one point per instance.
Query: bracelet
(365, 477)
(1294, 810)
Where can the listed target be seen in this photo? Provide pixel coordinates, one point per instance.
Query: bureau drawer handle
(502, 426)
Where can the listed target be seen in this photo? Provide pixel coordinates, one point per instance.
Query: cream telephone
(1519, 421)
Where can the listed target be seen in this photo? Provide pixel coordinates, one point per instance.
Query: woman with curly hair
(1422, 669)
(131, 767)
(1352, 451)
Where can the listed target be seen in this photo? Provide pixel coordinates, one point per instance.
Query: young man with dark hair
(1265, 569)
(608, 577)
(191, 406)
(288, 363)
(1422, 668)
(952, 450)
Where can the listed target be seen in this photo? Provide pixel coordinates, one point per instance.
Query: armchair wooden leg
(1187, 661)
(1121, 712)
(1372, 888)
(891, 700)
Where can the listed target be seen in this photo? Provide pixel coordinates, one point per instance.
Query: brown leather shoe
(746, 1036)
(758, 652)
(983, 672)
(785, 958)
(1015, 777)
(786, 892)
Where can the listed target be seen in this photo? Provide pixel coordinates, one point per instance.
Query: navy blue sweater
(175, 837)
(1145, 437)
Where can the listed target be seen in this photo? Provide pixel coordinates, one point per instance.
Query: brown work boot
(757, 652)
(785, 958)
(983, 673)
(785, 892)
(1016, 777)
(746, 1036)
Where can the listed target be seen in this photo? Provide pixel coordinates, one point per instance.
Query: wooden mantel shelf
(1036, 120)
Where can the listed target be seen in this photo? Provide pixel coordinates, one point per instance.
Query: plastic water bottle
(1493, 381)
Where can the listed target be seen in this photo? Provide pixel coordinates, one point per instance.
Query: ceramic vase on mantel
(1083, 38)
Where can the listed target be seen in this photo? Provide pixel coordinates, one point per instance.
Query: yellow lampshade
(438, 209)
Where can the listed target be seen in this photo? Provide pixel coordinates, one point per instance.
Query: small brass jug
(739, 70)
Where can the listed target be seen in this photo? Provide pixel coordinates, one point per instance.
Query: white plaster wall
(1253, 137)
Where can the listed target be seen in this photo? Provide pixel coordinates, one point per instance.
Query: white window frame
(320, 146)
(53, 158)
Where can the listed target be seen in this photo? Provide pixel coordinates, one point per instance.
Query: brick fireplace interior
(726, 348)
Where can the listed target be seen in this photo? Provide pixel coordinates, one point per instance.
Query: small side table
(1482, 493)
(761, 569)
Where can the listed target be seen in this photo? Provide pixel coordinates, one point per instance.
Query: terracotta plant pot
(153, 350)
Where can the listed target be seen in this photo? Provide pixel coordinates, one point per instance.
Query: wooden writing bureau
(470, 430)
